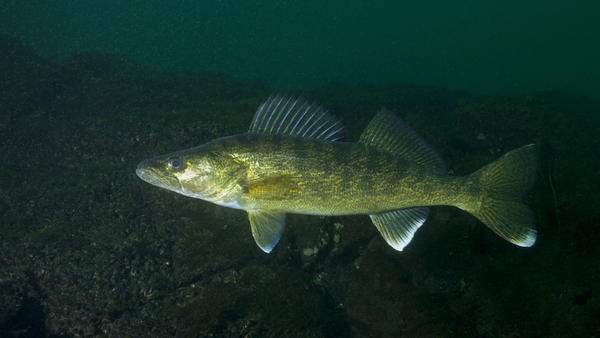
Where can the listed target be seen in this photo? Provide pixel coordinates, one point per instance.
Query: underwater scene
(88, 248)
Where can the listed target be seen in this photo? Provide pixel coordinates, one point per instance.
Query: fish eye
(175, 164)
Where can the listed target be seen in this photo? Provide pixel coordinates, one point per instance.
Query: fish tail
(504, 183)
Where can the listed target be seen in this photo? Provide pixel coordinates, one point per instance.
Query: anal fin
(267, 226)
(398, 227)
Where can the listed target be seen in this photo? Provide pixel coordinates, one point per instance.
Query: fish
(294, 159)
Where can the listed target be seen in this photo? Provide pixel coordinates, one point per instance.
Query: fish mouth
(151, 175)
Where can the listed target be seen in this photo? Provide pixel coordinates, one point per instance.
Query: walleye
(292, 161)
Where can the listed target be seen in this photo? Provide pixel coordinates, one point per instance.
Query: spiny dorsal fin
(387, 131)
(289, 116)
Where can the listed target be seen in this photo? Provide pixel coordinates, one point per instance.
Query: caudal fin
(505, 182)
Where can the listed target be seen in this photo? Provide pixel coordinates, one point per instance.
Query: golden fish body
(317, 177)
(290, 162)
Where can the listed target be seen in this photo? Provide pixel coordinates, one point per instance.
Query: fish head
(197, 172)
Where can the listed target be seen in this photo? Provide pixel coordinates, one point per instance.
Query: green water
(89, 249)
(473, 45)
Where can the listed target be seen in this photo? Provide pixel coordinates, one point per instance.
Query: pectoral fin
(267, 226)
(269, 187)
(398, 227)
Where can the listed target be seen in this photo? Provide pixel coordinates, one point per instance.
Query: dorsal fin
(387, 131)
(289, 116)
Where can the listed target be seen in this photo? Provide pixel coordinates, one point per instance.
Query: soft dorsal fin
(295, 117)
(387, 131)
